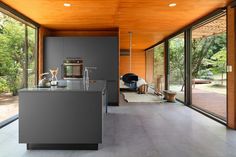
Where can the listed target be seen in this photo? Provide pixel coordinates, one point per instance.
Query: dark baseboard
(8, 121)
(62, 146)
(113, 103)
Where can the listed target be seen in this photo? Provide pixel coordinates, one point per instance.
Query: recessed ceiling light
(172, 4)
(67, 4)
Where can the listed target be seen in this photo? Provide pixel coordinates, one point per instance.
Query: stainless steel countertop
(72, 85)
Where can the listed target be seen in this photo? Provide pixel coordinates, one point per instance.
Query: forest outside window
(18, 53)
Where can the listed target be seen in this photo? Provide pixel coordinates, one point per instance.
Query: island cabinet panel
(60, 117)
(111, 89)
(69, 117)
(100, 52)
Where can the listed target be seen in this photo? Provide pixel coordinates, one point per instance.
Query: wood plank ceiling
(149, 20)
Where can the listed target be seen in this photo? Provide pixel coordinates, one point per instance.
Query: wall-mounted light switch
(229, 68)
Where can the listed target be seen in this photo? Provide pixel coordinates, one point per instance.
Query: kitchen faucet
(86, 73)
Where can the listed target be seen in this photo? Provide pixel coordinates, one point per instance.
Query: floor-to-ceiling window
(149, 66)
(155, 68)
(204, 57)
(176, 66)
(17, 62)
(159, 68)
(209, 58)
(32, 64)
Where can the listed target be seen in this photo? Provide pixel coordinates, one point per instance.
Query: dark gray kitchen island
(62, 118)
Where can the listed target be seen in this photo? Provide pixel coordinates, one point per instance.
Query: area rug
(134, 97)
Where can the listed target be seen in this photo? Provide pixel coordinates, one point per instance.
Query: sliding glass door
(155, 68)
(176, 66)
(209, 59)
(159, 68)
(199, 55)
(149, 66)
(17, 62)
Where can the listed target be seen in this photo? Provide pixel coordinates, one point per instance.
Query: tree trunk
(222, 78)
(193, 82)
(182, 89)
(25, 63)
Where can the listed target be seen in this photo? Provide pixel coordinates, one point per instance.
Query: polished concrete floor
(143, 130)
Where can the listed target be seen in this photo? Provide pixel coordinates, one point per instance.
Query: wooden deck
(8, 106)
(212, 102)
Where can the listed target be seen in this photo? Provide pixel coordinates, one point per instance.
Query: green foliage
(208, 56)
(3, 85)
(13, 53)
(158, 61)
(176, 58)
(218, 62)
(203, 49)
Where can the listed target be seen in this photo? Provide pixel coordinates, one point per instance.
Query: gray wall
(101, 52)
